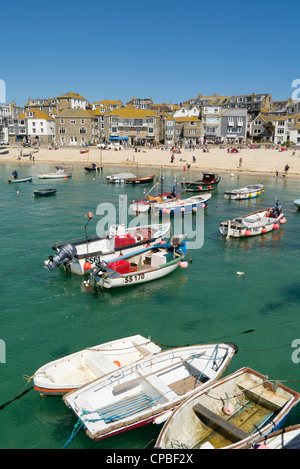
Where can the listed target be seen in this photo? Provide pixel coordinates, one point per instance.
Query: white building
(40, 126)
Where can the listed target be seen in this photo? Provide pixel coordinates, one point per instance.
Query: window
(62, 130)
(72, 121)
(192, 131)
(82, 130)
(150, 130)
(62, 121)
(82, 121)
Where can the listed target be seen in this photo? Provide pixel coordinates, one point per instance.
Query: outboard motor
(66, 253)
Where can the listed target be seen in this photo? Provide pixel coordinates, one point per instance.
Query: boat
(4, 152)
(73, 371)
(190, 205)
(147, 391)
(229, 413)
(255, 223)
(150, 263)
(84, 151)
(208, 182)
(140, 179)
(119, 178)
(248, 192)
(297, 203)
(61, 173)
(93, 167)
(44, 192)
(145, 205)
(12, 180)
(80, 255)
(285, 438)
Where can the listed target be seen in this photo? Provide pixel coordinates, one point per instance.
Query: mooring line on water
(19, 395)
(248, 331)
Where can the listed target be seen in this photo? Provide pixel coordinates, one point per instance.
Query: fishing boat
(208, 182)
(297, 203)
(150, 263)
(12, 180)
(147, 391)
(190, 205)
(255, 223)
(80, 255)
(92, 167)
(4, 152)
(61, 173)
(119, 178)
(285, 438)
(146, 204)
(44, 192)
(140, 179)
(248, 192)
(229, 413)
(73, 371)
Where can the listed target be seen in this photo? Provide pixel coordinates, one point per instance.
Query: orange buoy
(282, 220)
(87, 265)
(116, 362)
(264, 230)
(248, 233)
(276, 226)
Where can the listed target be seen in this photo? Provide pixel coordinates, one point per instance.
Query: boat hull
(44, 193)
(64, 175)
(248, 192)
(17, 181)
(191, 205)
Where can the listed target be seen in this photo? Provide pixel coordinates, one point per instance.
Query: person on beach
(286, 168)
(240, 162)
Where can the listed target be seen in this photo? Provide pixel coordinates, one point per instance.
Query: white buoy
(240, 273)
(232, 175)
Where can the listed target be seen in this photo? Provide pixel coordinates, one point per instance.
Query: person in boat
(174, 192)
(15, 174)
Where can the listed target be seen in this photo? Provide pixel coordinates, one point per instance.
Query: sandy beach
(257, 160)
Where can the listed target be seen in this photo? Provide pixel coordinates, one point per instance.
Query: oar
(135, 381)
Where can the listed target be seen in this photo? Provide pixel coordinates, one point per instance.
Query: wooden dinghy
(208, 182)
(73, 371)
(147, 391)
(81, 255)
(119, 178)
(148, 264)
(285, 438)
(140, 180)
(44, 192)
(255, 223)
(248, 192)
(179, 206)
(229, 414)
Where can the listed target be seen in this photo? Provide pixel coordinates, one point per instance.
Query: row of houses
(71, 120)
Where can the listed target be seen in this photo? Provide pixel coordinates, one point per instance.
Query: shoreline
(254, 161)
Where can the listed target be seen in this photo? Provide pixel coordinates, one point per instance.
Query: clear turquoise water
(45, 315)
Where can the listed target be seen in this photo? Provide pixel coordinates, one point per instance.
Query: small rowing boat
(248, 192)
(255, 223)
(147, 391)
(285, 438)
(208, 182)
(148, 264)
(44, 192)
(29, 179)
(73, 371)
(179, 206)
(80, 255)
(140, 180)
(4, 152)
(297, 203)
(229, 414)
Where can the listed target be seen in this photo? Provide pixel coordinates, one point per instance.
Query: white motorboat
(81, 255)
(73, 371)
(247, 192)
(180, 206)
(256, 223)
(119, 178)
(147, 391)
(149, 264)
(61, 173)
(229, 414)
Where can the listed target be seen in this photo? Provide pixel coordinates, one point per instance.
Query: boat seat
(99, 364)
(264, 396)
(202, 411)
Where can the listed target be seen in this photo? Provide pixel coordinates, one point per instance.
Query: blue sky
(167, 50)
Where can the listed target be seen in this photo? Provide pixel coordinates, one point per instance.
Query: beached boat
(44, 192)
(148, 264)
(255, 223)
(297, 203)
(247, 192)
(190, 205)
(18, 180)
(140, 179)
(229, 413)
(80, 255)
(83, 151)
(285, 438)
(208, 182)
(73, 371)
(119, 178)
(4, 152)
(147, 391)
(61, 173)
